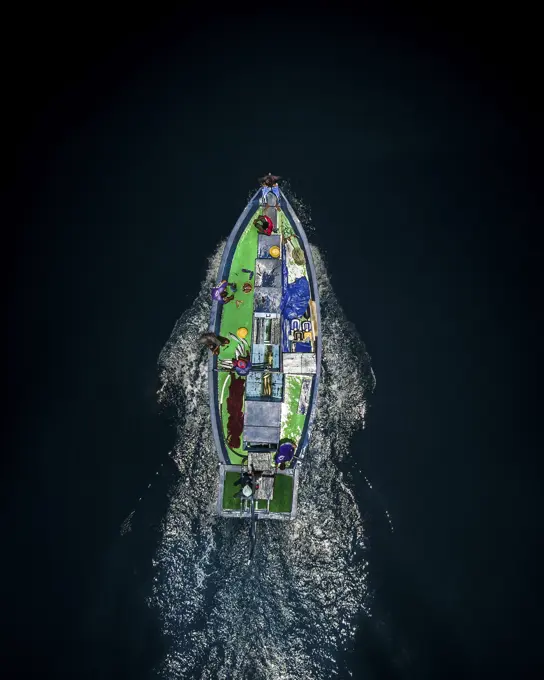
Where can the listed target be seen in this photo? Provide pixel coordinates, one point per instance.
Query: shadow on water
(405, 633)
(125, 634)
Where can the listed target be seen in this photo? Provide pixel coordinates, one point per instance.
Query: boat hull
(263, 385)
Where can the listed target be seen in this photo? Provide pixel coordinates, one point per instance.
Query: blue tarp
(294, 302)
(303, 346)
(296, 297)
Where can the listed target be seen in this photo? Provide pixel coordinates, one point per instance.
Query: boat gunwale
(315, 291)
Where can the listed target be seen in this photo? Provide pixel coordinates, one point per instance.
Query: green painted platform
(292, 422)
(230, 503)
(283, 494)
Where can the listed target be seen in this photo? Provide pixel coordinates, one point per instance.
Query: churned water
(292, 611)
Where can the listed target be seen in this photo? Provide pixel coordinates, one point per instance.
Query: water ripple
(289, 614)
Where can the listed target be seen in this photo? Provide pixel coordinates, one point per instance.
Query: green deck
(292, 422)
(283, 494)
(233, 317)
(230, 503)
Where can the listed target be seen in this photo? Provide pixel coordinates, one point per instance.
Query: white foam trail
(126, 526)
(287, 615)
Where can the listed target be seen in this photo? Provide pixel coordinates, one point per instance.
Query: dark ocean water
(416, 154)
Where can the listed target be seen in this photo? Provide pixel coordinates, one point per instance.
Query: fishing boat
(263, 384)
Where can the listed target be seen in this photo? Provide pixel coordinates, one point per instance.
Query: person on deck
(257, 474)
(220, 294)
(264, 225)
(241, 365)
(213, 342)
(243, 479)
(269, 183)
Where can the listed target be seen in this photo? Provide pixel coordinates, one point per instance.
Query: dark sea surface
(414, 155)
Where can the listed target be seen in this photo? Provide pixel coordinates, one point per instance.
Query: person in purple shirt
(242, 366)
(219, 293)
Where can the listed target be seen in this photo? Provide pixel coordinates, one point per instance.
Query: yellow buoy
(274, 251)
(241, 332)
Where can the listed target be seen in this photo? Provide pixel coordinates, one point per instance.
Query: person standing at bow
(269, 183)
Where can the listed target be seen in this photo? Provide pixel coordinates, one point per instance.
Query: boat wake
(291, 612)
